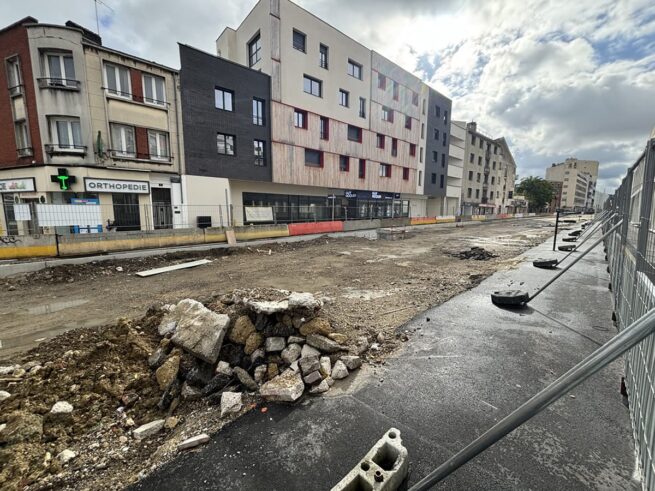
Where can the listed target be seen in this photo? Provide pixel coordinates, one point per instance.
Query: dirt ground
(376, 285)
(370, 288)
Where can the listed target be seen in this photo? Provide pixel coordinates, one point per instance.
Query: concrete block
(384, 467)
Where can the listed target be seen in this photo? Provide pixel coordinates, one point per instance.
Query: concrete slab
(462, 371)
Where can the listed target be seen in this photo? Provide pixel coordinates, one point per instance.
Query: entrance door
(162, 213)
(126, 211)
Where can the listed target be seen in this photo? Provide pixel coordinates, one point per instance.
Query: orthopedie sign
(370, 195)
(18, 185)
(93, 185)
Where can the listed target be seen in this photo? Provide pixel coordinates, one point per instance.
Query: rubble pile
(272, 343)
(475, 253)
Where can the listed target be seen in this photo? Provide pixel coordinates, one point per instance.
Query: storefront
(13, 192)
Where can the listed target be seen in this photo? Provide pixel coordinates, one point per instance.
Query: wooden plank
(165, 269)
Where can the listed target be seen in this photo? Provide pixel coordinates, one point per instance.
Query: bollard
(384, 468)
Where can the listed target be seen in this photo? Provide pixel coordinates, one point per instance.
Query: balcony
(25, 152)
(16, 90)
(60, 149)
(58, 83)
(138, 156)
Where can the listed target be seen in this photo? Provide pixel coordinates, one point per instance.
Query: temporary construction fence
(631, 257)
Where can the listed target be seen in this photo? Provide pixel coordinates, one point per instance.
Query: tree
(537, 191)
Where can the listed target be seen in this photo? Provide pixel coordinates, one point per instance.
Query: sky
(556, 78)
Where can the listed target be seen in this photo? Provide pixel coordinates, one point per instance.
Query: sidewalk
(461, 371)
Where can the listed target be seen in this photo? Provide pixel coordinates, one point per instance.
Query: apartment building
(346, 133)
(455, 171)
(81, 123)
(578, 178)
(489, 174)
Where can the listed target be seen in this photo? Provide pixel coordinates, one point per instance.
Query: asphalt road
(461, 371)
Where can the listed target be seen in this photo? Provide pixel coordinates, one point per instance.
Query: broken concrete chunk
(224, 368)
(166, 373)
(318, 325)
(254, 341)
(312, 377)
(230, 403)
(326, 366)
(260, 373)
(339, 371)
(321, 343)
(4, 395)
(245, 378)
(295, 340)
(338, 337)
(61, 407)
(324, 386)
(330, 381)
(291, 353)
(243, 327)
(199, 330)
(8, 370)
(306, 301)
(275, 344)
(167, 327)
(307, 350)
(66, 455)
(267, 307)
(287, 387)
(309, 364)
(352, 362)
(194, 441)
(361, 345)
(257, 354)
(149, 429)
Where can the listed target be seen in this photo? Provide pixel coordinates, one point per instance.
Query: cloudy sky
(557, 78)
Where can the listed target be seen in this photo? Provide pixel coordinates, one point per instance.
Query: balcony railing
(127, 155)
(63, 149)
(58, 83)
(129, 96)
(25, 152)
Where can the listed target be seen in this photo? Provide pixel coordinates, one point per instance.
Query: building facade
(455, 167)
(489, 174)
(350, 133)
(85, 124)
(578, 180)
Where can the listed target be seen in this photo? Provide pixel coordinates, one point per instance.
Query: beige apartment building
(578, 180)
(489, 174)
(89, 125)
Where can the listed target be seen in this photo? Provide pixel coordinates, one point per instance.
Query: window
(481, 142)
(323, 56)
(493, 165)
(472, 139)
(14, 78)
(60, 70)
(443, 140)
(396, 90)
(394, 147)
(344, 163)
(415, 98)
(343, 98)
(154, 89)
(408, 122)
(469, 192)
(67, 133)
(478, 177)
(158, 145)
(412, 149)
(382, 81)
(354, 69)
(435, 156)
(299, 40)
(433, 178)
(361, 171)
(312, 86)
(491, 195)
(423, 108)
(254, 50)
(445, 117)
(405, 173)
(441, 181)
(259, 148)
(479, 160)
(422, 130)
(313, 158)
(477, 193)
(495, 150)
(22, 138)
(437, 111)
(354, 133)
(436, 134)
(380, 140)
(300, 118)
(362, 107)
(385, 170)
(387, 114)
(470, 175)
(118, 81)
(443, 160)
(258, 112)
(223, 99)
(420, 155)
(225, 144)
(471, 158)
(420, 178)
(123, 142)
(493, 179)
(324, 128)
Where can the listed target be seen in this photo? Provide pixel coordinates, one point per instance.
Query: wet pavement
(466, 366)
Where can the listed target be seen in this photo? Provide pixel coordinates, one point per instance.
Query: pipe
(576, 260)
(593, 363)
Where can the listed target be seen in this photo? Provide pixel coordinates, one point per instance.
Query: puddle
(49, 308)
